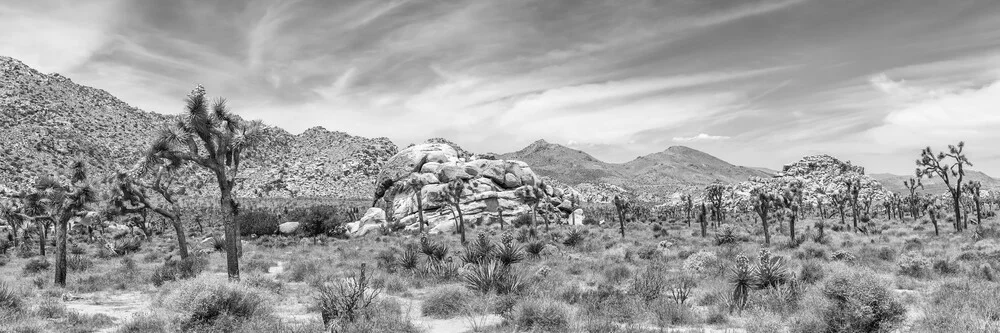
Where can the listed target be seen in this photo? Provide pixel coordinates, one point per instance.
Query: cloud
(52, 36)
(701, 137)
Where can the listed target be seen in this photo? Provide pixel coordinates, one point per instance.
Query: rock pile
(488, 185)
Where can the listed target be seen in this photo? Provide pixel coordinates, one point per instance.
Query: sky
(754, 82)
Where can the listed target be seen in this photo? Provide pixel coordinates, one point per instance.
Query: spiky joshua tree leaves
(212, 138)
(913, 201)
(129, 194)
(764, 203)
(931, 165)
(974, 189)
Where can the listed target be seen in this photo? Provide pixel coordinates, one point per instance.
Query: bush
(650, 284)
(36, 265)
(914, 265)
(493, 276)
(257, 222)
(842, 255)
(860, 302)
(381, 316)
(700, 261)
(302, 270)
(535, 248)
(78, 263)
(445, 302)
(257, 264)
(204, 303)
(811, 272)
(672, 314)
(344, 301)
(126, 246)
(144, 324)
(522, 220)
(616, 274)
(542, 316)
(174, 270)
(726, 235)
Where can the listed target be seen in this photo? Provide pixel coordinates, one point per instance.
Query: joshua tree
(72, 199)
(38, 209)
(793, 200)
(853, 185)
(912, 185)
(688, 207)
(931, 206)
(714, 193)
(840, 200)
(702, 219)
(455, 190)
(764, 203)
(128, 195)
(931, 165)
(621, 206)
(216, 141)
(531, 196)
(417, 185)
(974, 190)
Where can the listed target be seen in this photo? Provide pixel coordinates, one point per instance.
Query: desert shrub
(668, 313)
(145, 323)
(78, 263)
(383, 315)
(535, 248)
(4, 260)
(650, 284)
(386, 259)
(811, 272)
(10, 298)
(204, 303)
(616, 274)
(321, 220)
(120, 278)
(509, 253)
(36, 265)
(77, 249)
(700, 261)
(257, 264)
(521, 220)
(78, 322)
(445, 302)
(51, 308)
(681, 288)
(860, 302)
(842, 255)
(257, 222)
(300, 271)
(573, 238)
(479, 251)
(765, 322)
(612, 304)
(961, 306)
(444, 270)
(771, 271)
(946, 266)
(264, 283)
(173, 270)
(914, 264)
(542, 316)
(126, 246)
(811, 250)
(345, 300)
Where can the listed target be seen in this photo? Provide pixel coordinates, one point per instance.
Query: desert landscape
(118, 219)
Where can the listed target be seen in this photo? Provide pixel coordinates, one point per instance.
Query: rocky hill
(651, 177)
(46, 121)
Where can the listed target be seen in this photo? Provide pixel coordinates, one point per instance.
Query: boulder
(288, 228)
(374, 218)
(485, 179)
(577, 217)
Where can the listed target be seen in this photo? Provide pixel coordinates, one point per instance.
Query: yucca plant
(408, 259)
(509, 253)
(433, 250)
(535, 248)
(574, 238)
(9, 297)
(479, 252)
(771, 271)
(492, 276)
(743, 279)
(346, 300)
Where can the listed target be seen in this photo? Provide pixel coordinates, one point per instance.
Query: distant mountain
(768, 171)
(934, 185)
(655, 175)
(47, 121)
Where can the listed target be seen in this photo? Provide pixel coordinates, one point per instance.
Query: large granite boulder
(488, 184)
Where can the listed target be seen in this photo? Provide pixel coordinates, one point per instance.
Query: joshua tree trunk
(420, 211)
(843, 220)
(956, 197)
(979, 214)
(61, 229)
(703, 221)
(791, 226)
(500, 216)
(621, 221)
(767, 232)
(460, 221)
(178, 229)
(232, 230)
(42, 238)
(933, 215)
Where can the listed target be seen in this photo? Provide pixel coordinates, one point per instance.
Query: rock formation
(488, 183)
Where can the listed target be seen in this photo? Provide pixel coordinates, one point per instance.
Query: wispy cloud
(867, 81)
(701, 137)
